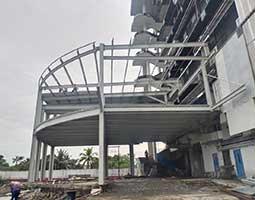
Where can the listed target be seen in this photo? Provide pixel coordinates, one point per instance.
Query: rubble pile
(79, 186)
(4, 188)
(39, 195)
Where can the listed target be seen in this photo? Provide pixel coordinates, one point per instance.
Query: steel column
(106, 160)
(51, 164)
(205, 79)
(132, 161)
(35, 147)
(152, 150)
(44, 161)
(101, 171)
(38, 159)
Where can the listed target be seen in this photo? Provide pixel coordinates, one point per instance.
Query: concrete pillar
(132, 159)
(51, 164)
(32, 163)
(106, 160)
(101, 170)
(152, 150)
(44, 161)
(35, 147)
(38, 158)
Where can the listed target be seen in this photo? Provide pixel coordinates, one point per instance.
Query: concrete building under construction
(186, 79)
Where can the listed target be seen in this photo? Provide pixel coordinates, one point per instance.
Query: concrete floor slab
(163, 189)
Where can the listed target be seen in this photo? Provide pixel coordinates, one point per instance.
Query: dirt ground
(163, 189)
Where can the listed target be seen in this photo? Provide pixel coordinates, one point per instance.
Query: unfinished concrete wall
(234, 69)
(248, 155)
(244, 8)
(61, 173)
(196, 160)
(208, 151)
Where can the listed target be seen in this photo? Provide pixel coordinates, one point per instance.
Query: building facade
(228, 28)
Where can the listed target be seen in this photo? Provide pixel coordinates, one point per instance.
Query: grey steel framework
(82, 102)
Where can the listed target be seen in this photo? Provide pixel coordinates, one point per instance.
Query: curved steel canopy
(77, 86)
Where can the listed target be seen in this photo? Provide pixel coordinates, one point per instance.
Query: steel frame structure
(61, 101)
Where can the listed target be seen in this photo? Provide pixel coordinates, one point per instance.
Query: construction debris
(248, 190)
(96, 191)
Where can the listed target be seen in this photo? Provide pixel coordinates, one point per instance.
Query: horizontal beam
(147, 46)
(161, 109)
(67, 117)
(191, 79)
(229, 97)
(177, 58)
(95, 85)
(66, 108)
(48, 97)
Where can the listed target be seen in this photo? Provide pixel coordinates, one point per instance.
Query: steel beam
(153, 46)
(68, 117)
(205, 79)
(160, 109)
(101, 81)
(112, 53)
(176, 58)
(190, 81)
(127, 83)
(229, 97)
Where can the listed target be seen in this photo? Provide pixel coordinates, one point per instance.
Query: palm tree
(17, 159)
(3, 163)
(62, 159)
(88, 157)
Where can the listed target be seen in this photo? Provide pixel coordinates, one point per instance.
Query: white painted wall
(208, 150)
(248, 155)
(234, 69)
(61, 173)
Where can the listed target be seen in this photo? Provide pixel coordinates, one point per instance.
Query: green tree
(118, 161)
(3, 163)
(17, 159)
(23, 165)
(62, 160)
(88, 158)
(75, 164)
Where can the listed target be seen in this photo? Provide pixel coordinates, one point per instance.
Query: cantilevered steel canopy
(125, 125)
(92, 96)
(138, 108)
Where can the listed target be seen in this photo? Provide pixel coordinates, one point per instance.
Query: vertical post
(112, 54)
(38, 159)
(44, 161)
(205, 78)
(106, 160)
(101, 174)
(152, 150)
(101, 171)
(35, 143)
(32, 164)
(131, 157)
(51, 164)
